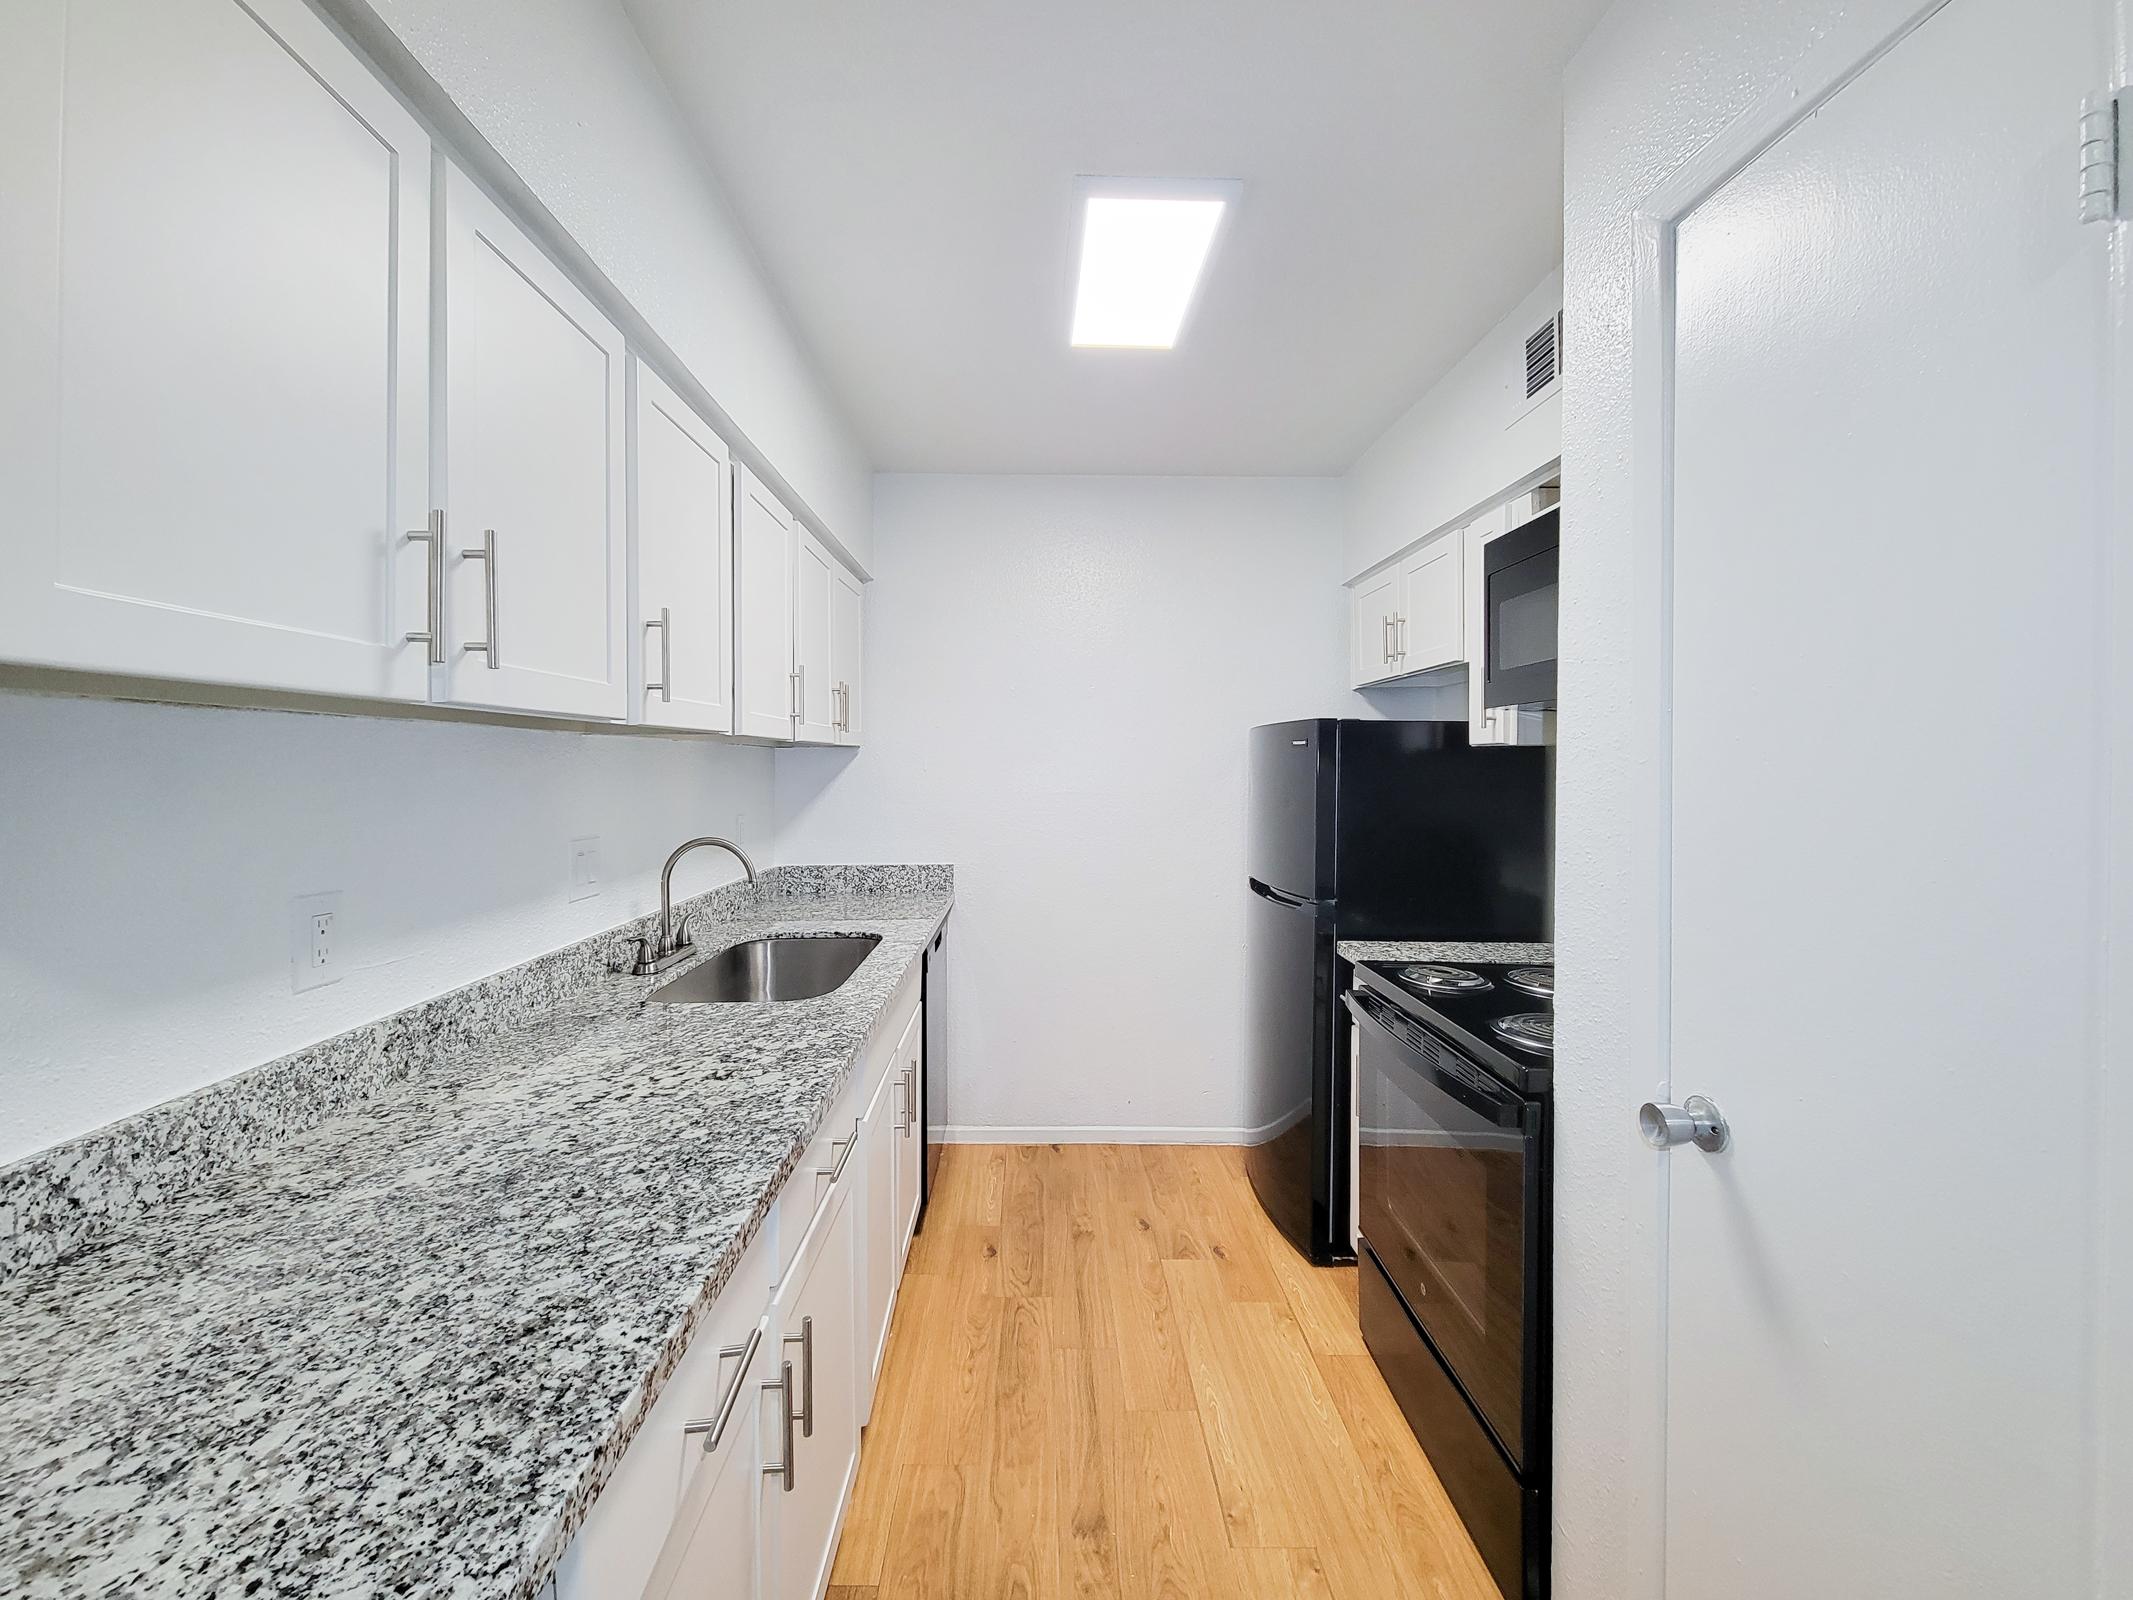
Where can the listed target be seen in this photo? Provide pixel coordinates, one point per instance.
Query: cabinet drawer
(614, 1552)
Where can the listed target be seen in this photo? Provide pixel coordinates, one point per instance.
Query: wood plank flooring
(1110, 1377)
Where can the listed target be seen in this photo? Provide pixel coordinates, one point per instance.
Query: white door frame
(1851, 45)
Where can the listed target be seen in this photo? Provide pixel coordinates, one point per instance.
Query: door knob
(1695, 1121)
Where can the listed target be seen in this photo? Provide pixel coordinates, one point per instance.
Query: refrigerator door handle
(1280, 897)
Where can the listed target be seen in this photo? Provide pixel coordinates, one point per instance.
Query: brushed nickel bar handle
(665, 685)
(432, 633)
(486, 555)
(805, 1339)
(782, 1469)
(714, 1428)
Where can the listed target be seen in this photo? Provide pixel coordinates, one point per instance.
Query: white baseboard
(958, 1134)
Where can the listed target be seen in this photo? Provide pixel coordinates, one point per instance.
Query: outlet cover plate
(585, 867)
(315, 941)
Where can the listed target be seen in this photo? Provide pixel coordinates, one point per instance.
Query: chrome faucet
(672, 943)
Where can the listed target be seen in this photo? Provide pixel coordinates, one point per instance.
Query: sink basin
(771, 969)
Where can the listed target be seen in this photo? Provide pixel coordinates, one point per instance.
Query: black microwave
(1518, 617)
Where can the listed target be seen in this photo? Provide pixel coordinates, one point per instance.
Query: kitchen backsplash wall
(155, 854)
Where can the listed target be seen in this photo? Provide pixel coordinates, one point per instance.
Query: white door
(815, 683)
(847, 637)
(816, 1313)
(533, 454)
(214, 349)
(1431, 629)
(1885, 777)
(763, 611)
(1372, 606)
(880, 1260)
(681, 512)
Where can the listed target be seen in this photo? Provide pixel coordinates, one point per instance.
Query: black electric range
(1502, 1014)
(1454, 1145)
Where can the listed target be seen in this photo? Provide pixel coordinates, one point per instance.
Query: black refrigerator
(1366, 830)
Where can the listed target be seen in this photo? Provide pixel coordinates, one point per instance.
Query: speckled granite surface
(1451, 950)
(400, 1350)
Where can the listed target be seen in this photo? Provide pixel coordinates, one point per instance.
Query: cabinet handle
(782, 1469)
(432, 633)
(844, 1149)
(486, 555)
(903, 1101)
(665, 685)
(714, 1429)
(799, 692)
(1399, 635)
(805, 1339)
(1386, 622)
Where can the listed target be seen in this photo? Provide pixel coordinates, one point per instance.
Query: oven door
(1449, 1183)
(1519, 623)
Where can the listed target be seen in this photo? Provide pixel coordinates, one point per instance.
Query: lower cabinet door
(715, 1551)
(816, 1316)
(880, 1258)
(910, 1065)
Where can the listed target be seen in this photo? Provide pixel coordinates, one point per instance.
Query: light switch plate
(585, 867)
(315, 934)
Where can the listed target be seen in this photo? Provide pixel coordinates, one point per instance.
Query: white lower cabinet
(880, 1262)
(817, 1321)
(911, 1137)
(736, 1486)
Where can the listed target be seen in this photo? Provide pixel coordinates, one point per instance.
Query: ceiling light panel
(1143, 254)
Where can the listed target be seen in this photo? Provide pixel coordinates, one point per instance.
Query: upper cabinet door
(812, 583)
(681, 510)
(533, 474)
(1430, 630)
(762, 611)
(847, 618)
(1374, 605)
(214, 327)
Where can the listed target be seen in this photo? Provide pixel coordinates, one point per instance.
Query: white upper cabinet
(532, 455)
(1430, 629)
(762, 611)
(681, 512)
(1373, 604)
(815, 681)
(847, 641)
(214, 324)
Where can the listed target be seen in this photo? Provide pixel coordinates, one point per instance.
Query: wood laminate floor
(1109, 1376)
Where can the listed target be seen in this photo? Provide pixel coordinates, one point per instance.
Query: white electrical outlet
(584, 868)
(315, 941)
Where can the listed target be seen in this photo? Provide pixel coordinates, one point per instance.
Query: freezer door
(1289, 841)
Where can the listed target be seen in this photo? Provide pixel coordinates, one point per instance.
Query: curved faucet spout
(670, 945)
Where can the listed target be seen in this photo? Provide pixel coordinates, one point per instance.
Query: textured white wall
(1061, 673)
(1458, 447)
(565, 92)
(155, 850)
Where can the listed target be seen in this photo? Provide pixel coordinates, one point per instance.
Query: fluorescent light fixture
(1144, 247)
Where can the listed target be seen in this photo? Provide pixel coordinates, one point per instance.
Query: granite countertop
(1452, 950)
(400, 1352)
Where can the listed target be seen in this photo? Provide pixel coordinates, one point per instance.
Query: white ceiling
(906, 170)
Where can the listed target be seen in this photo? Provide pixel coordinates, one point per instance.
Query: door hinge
(2101, 118)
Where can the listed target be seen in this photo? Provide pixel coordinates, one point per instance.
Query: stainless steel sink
(787, 968)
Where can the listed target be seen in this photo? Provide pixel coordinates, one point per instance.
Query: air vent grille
(1544, 355)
